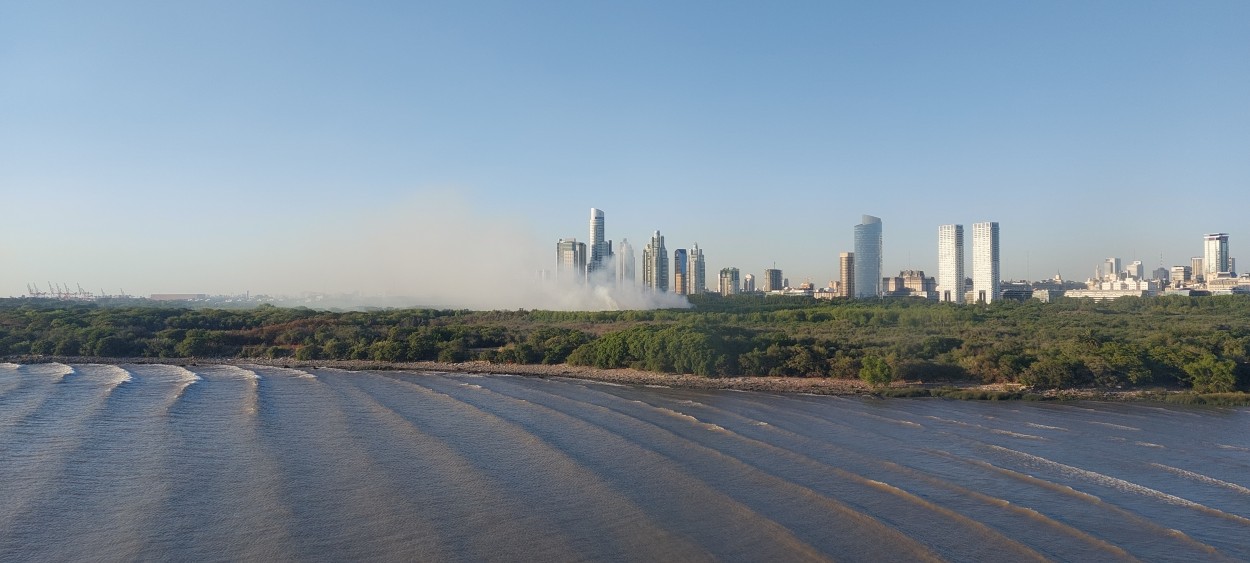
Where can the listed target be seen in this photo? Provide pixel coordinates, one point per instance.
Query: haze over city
(440, 151)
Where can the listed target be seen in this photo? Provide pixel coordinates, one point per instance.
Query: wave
(1234, 448)
(236, 372)
(1148, 445)
(1122, 485)
(288, 371)
(1203, 478)
(1017, 434)
(113, 376)
(1117, 426)
(1043, 426)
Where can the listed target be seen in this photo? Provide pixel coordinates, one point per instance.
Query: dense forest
(1201, 343)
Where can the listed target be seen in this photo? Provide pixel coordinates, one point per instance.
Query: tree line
(1196, 342)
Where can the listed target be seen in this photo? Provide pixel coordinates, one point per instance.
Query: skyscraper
(1196, 270)
(655, 264)
(772, 280)
(1136, 270)
(868, 257)
(570, 260)
(698, 271)
(599, 248)
(846, 265)
(1111, 269)
(1215, 255)
(625, 264)
(985, 275)
(729, 281)
(950, 278)
(748, 283)
(681, 272)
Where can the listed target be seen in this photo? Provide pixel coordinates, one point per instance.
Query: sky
(442, 148)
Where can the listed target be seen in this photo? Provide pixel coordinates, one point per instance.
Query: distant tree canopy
(1197, 342)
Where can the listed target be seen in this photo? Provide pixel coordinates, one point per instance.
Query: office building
(570, 260)
(772, 280)
(1181, 276)
(729, 281)
(868, 257)
(681, 272)
(1111, 269)
(748, 283)
(1195, 267)
(950, 278)
(1215, 254)
(655, 264)
(1136, 270)
(625, 264)
(846, 268)
(697, 271)
(600, 249)
(985, 274)
(1163, 275)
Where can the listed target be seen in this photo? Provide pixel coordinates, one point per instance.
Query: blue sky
(230, 146)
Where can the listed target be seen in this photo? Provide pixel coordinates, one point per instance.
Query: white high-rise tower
(655, 264)
(950, 279)
(698, 271)
(599, 248)
(625, 264)
(1215, 255)
(985, 275)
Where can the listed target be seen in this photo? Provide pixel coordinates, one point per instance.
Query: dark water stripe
(111, 488)
(222, 502)
(678, 500)
(33, 384)
(47, 439)
(1150, 528)
(794, 444)
(726, 473)
(10, 379)
(461, 498)
(344, 506)
(1122, 485)
(807, 472)
(1127, 536)
(561, 492)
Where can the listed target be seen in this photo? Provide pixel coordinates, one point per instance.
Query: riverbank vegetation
(1198, 343)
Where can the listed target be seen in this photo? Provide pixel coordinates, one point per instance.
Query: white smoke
(437, 250)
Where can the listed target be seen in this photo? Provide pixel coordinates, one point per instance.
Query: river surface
(106, 463)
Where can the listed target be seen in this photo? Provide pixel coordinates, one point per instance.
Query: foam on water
(1203, 478)
(1116, 426)
(236, 372)
(1043, 426)
(1017, 434)
(1121, 484)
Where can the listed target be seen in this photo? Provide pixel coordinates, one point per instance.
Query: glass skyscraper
(868, 257)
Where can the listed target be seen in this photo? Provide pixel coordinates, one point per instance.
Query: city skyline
(143, 153)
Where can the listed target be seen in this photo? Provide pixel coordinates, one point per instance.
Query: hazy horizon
(440, 151)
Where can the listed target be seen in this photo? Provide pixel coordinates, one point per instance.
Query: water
(255, 463)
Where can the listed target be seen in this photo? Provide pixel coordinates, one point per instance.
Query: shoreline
(627, 376)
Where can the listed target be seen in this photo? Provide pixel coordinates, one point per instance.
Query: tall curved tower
(868, 257)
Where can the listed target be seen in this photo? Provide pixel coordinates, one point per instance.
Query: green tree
(876, 371)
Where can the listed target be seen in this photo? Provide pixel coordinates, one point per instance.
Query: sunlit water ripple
(108, 463)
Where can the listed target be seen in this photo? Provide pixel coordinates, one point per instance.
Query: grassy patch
(1216, 399)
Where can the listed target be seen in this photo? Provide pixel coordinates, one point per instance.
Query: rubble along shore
(625, 376)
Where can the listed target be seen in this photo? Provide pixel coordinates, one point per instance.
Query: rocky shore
(816, 386)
